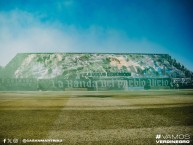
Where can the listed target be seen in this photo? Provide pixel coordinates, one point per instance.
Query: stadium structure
(93, 71)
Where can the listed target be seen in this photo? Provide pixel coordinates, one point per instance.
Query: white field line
(58, 122)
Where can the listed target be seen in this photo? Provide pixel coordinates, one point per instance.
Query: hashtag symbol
(158, 136)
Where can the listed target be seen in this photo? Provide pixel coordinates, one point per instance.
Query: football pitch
(99, 118)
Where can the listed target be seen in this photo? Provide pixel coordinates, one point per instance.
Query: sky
(101, 26)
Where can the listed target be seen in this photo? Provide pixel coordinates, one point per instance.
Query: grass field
(98, 118)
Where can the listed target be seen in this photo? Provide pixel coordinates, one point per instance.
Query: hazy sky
(128, 26)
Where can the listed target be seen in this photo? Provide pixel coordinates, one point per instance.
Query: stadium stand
(57, 71)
